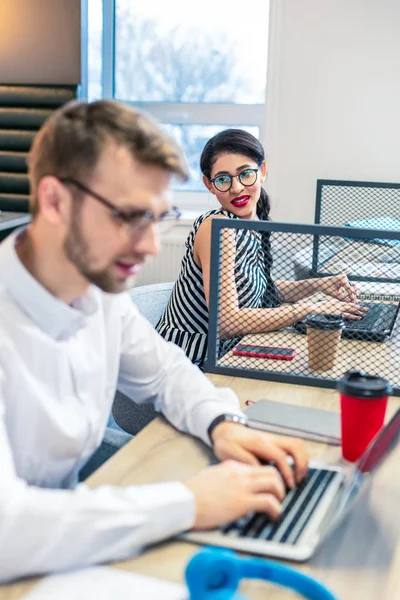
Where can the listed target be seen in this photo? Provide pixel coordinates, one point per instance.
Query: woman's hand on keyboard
(230, 490)
(349, 310)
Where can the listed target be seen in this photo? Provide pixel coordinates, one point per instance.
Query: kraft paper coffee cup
(323, 335)
(363, 401)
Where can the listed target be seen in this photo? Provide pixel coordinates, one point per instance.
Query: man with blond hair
(69, 337)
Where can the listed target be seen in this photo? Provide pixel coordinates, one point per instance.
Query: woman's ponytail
(272, 297)
(263, 206)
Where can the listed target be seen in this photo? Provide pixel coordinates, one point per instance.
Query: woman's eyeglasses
(223, 183)
(136, 220)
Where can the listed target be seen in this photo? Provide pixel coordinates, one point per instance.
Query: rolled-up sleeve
(44, 530)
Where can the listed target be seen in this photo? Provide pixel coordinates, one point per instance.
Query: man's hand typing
(230, 490)
(234, 441)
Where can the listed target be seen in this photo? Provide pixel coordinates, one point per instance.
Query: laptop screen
(381, 447)
(376, 453)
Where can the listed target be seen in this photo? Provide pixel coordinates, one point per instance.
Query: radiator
(166, 265)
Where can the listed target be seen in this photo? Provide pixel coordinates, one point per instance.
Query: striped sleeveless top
(185, 320)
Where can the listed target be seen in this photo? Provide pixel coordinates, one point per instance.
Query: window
(197, 68)
(95, 48)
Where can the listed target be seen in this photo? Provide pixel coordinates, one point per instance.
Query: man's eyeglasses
(223, 183)
(136, 220)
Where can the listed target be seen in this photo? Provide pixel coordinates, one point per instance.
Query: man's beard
(77, 251)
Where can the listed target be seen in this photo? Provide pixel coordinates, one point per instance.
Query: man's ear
(208, 185)
(53, 199)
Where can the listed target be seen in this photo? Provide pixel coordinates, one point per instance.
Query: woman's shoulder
(201, 228)
(211, 214)
(202, 225)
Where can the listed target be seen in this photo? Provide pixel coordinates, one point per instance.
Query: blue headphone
(213, 574)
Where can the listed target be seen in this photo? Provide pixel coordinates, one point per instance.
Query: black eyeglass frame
(134, 218)
(255, 171)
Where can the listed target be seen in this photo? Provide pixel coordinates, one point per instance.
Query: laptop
(375, 326)
(311, 511)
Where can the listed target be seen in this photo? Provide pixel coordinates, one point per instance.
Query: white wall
(333, 106)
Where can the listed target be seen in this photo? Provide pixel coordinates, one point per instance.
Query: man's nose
(148, 242)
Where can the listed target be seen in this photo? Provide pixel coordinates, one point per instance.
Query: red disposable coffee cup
(363, 401)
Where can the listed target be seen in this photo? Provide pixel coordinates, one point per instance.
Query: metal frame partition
(366, 354)
(361, 187)
(338, 202)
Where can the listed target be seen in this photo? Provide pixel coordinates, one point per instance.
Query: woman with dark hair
(234, 168)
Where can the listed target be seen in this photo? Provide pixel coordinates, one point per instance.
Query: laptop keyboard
(298, 506)
(376, 324)
(378, 318)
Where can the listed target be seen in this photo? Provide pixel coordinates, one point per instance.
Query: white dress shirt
(59, 368)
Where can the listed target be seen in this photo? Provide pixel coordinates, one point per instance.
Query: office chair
(127, 418)
(151, 301)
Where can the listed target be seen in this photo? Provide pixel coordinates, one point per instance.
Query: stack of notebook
(296, 421)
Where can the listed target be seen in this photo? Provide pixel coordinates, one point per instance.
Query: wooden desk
(360, 562)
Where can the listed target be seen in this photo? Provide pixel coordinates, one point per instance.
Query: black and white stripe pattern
(185, 320)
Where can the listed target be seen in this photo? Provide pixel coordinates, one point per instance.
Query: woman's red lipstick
(240, 201)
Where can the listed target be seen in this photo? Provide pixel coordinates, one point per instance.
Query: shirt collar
(53, 316)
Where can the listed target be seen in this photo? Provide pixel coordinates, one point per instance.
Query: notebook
(298, 421)
(103, 583)
(311, 511)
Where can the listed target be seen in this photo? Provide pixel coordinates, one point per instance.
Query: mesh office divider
(341, 202)
(268, 322)
(361, 204)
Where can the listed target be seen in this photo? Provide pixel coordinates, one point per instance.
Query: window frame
(231, 115)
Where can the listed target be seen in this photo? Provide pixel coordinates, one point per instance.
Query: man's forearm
(47, 530)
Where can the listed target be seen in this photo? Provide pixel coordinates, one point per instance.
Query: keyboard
(378, 318)
(375, 326)
(298, 507)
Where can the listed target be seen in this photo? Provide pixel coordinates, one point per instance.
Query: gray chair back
(151, 301)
